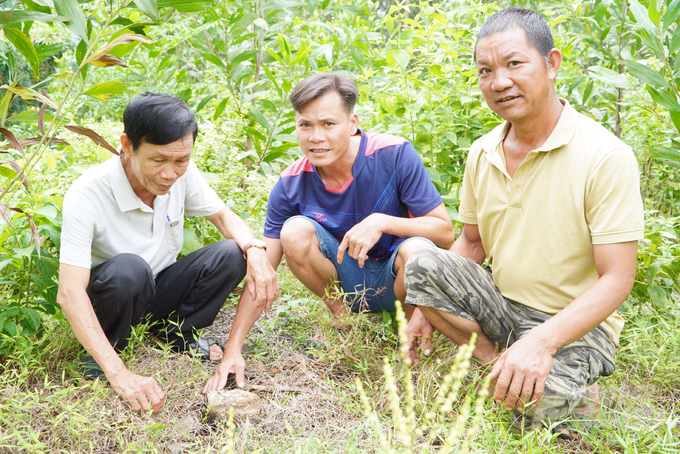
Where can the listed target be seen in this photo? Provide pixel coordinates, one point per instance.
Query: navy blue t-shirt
(388, 177)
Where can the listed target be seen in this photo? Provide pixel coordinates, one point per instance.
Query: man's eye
(328, 123)
(513, 63)
(484, 71)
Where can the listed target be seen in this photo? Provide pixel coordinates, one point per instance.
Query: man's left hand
(361, 238)
(520, 373)
(261, 281)
(232, 363)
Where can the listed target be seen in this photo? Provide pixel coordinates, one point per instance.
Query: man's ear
(354, 122)
(126, 144)
(554, 63)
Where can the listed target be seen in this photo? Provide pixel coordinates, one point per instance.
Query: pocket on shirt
(175, 233)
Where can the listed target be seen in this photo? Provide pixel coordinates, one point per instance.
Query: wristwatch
(254, 243)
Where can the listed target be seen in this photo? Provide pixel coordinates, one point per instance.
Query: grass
(45, 408)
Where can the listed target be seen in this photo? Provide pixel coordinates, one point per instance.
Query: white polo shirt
(103, 217)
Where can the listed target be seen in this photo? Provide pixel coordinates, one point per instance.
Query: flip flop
(201, 348)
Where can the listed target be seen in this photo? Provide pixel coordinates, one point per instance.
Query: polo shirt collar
(125, 197)
(560, 136)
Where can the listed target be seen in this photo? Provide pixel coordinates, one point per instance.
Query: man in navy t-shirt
(354, 208)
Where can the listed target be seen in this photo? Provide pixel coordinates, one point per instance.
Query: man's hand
(361, 238)
(232, 363)
(142, 393)
(520, 373)
(419, 335)
(261, 281)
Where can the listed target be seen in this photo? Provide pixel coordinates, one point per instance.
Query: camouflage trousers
(449, 282)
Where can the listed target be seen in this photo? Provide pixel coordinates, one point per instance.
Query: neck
(140, 191)
(340, 172)
(534, 131)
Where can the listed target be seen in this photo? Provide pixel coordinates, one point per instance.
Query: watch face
(259, 244)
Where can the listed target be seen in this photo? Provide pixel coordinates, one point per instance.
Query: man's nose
(501, 80)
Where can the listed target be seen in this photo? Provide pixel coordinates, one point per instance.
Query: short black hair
(315, 86)
(535, 28)
(158, 119)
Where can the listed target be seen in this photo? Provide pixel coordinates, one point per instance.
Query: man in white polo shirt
(122, 230)
(552, 200)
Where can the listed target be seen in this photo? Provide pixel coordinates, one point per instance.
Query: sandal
(201, 348)
(572, 428)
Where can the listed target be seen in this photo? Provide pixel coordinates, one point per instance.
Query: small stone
(244, 403)
(188, 423)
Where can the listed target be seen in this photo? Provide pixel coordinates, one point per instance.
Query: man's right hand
(142, 393)
(232, 363)
(419, 336)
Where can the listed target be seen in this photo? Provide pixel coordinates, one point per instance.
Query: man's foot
(91, 370)
(573, 428)
(206, 349)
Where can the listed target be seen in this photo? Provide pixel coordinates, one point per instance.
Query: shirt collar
(560, 136)
(125, 197)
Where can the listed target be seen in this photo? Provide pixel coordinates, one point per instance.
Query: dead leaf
(125, 38)
(28, 93)
(41, 118)
(108, 60)
(4, 210)
(96, 138)
(274, 370)
(34, 229)
(17, 169)
(13, 140)
(33, 140)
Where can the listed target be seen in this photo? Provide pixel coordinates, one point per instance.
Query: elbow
(448, 237)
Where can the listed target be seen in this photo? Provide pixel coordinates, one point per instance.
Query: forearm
(433, 228)
(232, 227)
(247, 314)
(78, 311)
(466, 248)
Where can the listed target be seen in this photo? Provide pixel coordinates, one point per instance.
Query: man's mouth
(320, 150)
(507, 98)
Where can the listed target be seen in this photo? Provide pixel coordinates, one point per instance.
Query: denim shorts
(369, 289)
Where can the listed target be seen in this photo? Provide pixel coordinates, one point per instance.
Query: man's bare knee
(407, 249)
(297, 237)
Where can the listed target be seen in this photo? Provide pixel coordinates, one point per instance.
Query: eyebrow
(508, 56)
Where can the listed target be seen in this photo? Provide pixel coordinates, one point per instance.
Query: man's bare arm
(435, 226)
(141, 392)
(469, 244)
(247, 314)
(522, 369)
(261, 281)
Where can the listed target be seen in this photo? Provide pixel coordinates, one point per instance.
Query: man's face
(513, 76)
(324, 129)
(157, 167)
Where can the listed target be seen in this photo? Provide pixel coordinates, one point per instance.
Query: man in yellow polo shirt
(551, 199)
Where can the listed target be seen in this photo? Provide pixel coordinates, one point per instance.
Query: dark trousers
(184, 297)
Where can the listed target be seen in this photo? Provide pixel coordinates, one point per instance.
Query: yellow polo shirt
(538, 229)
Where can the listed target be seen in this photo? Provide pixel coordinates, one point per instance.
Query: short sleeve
(467, 210)
(199, 199)
(614, 209)
(279, 211)
(77, 231)
(416, 189)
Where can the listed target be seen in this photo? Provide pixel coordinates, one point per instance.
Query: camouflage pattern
(455, 284)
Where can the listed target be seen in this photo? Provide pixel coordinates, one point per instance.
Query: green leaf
(609, 77)
(72, 10)
(664, 98)
(104, 90)
(658, 296)
(243, 56)
(672, 13)
(7, 172)
(641, 16)
(220, 108)
(203, 102)
(675, 118)
(400, 57)
(259, 117)
(646, 75)
(25, 46)
(148, 7)
(185, 6)
(12, 17)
